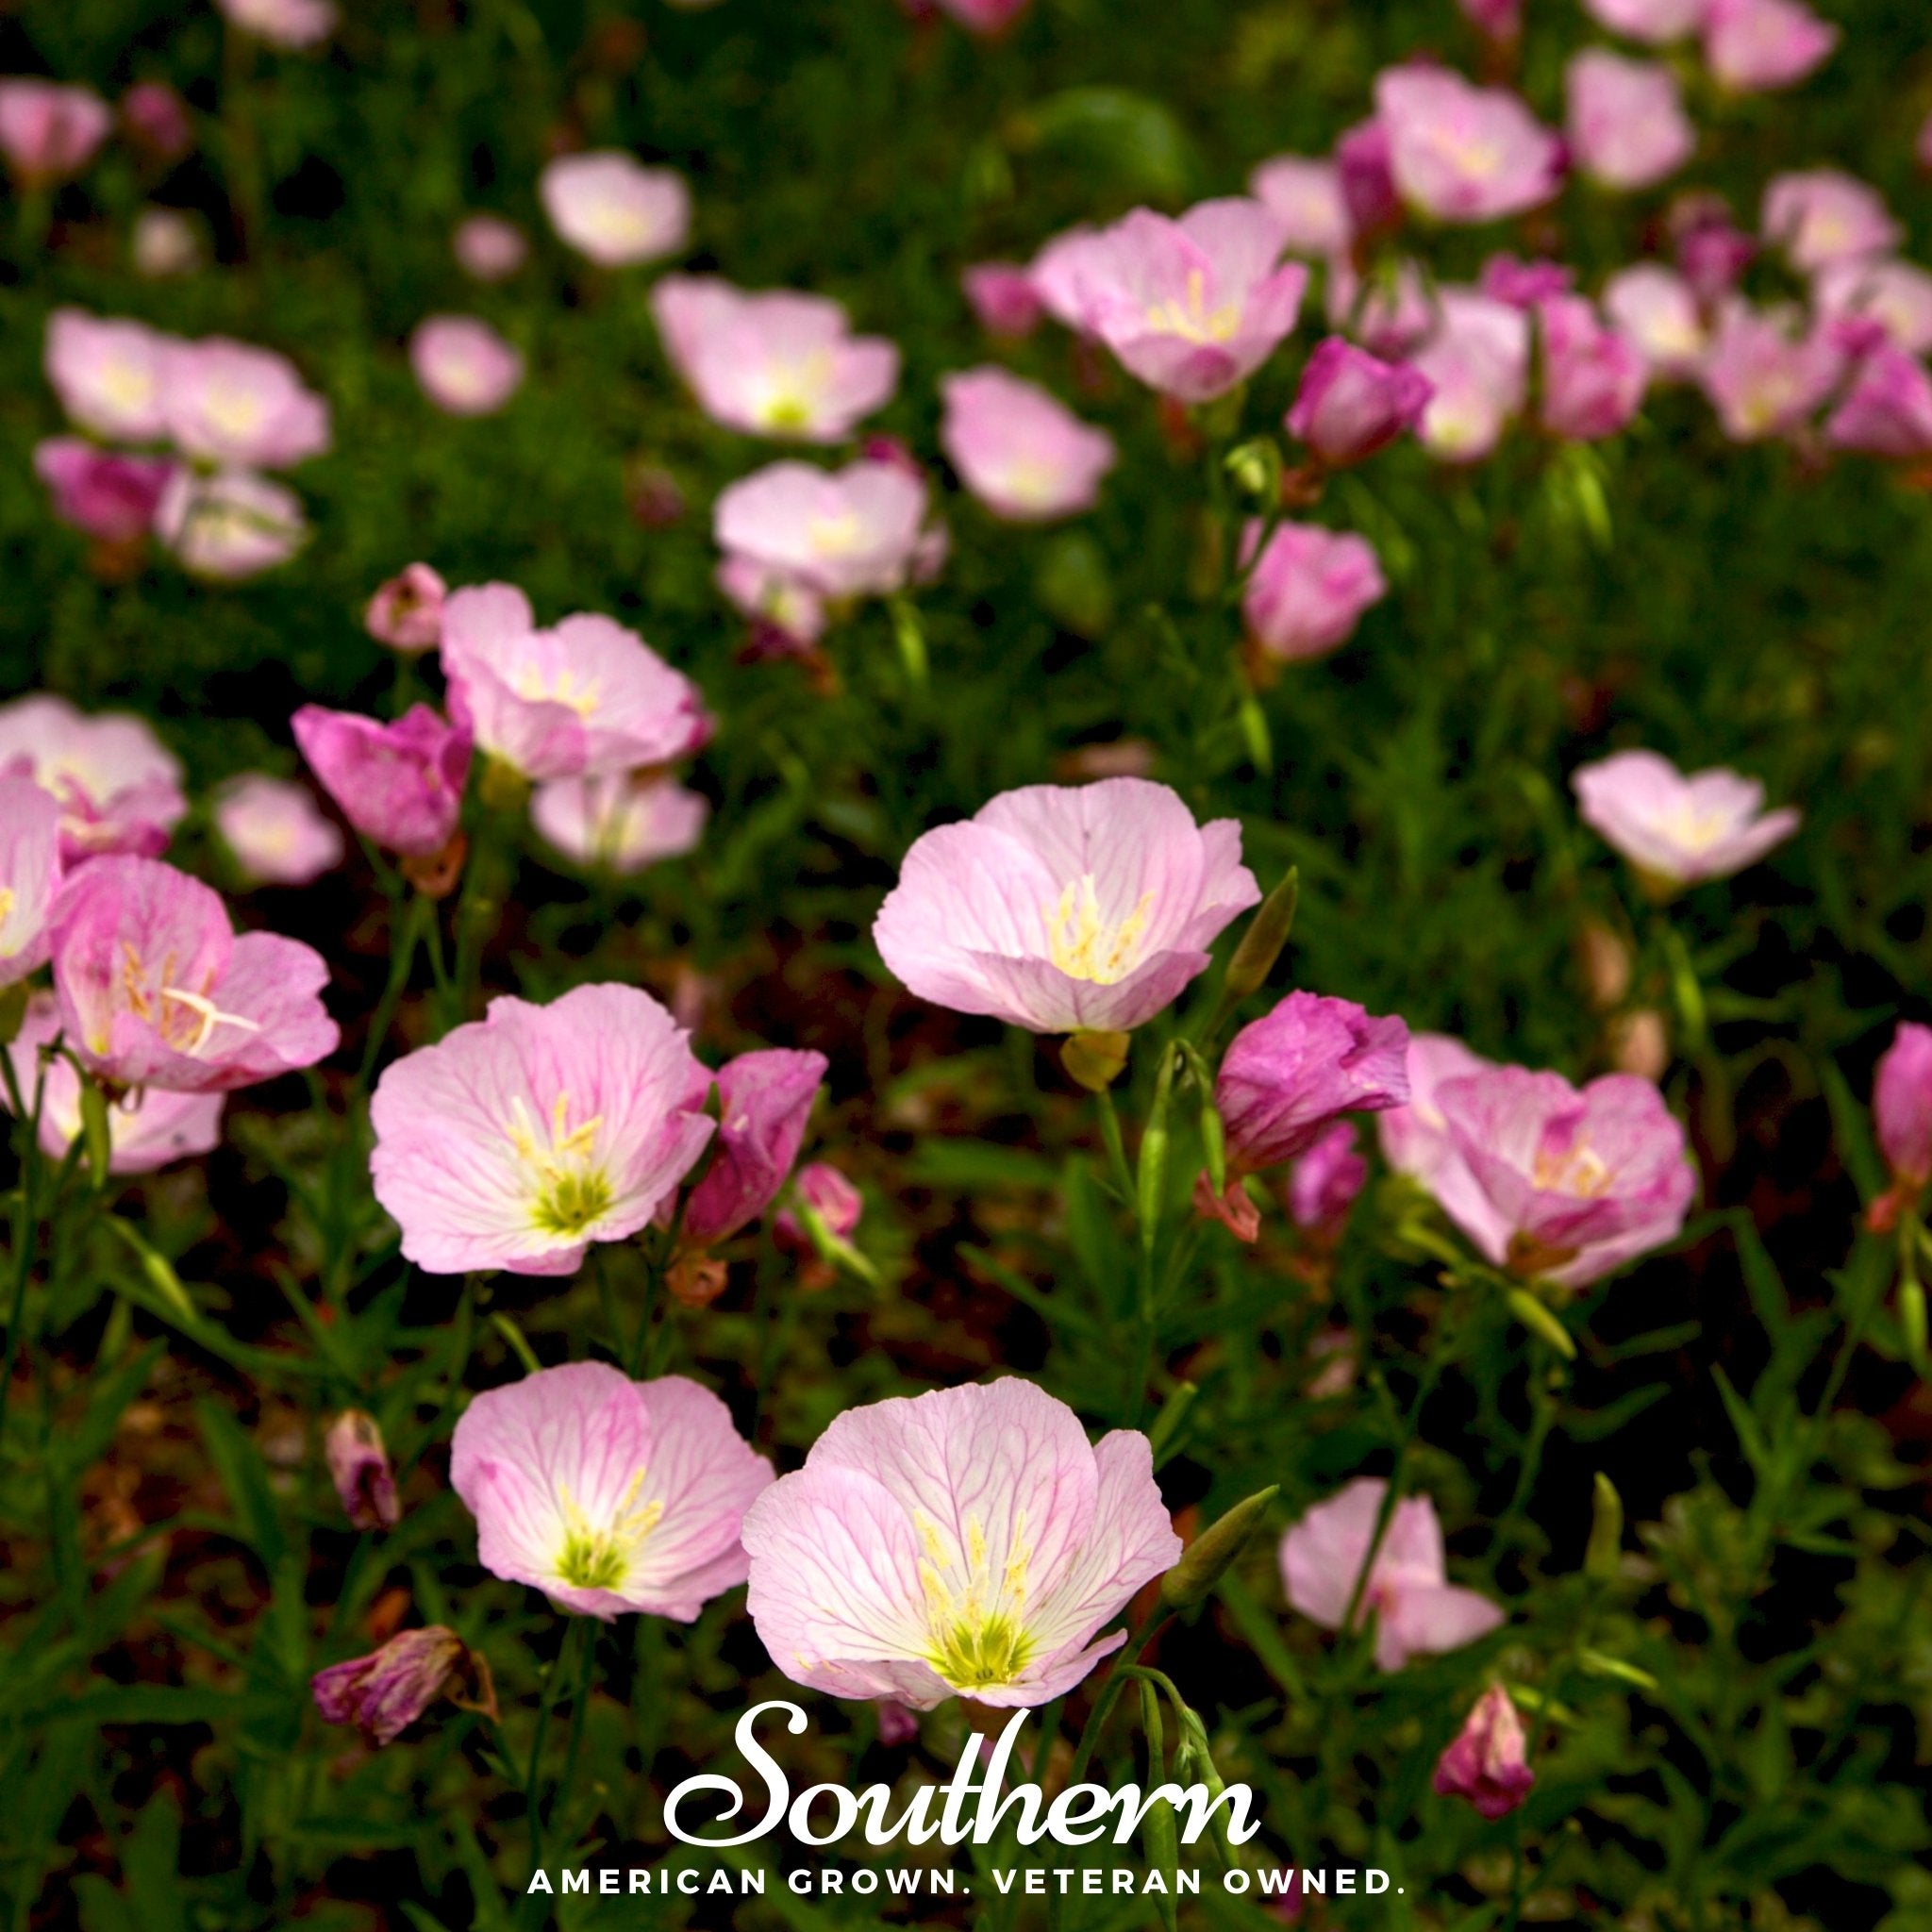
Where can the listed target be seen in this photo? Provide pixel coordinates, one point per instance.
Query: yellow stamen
(1193, 321)
(1082, 945)
(600, 1557)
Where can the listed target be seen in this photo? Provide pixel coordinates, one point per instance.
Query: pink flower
(29, 872)
(1825, 216)
(609, 1495)
(1497, 19)
(1657, 20)
(1627, 123)
(228, 401)
(118, 787)
(1191, 306)
(829, 1195)
(358, 1465)
(1895, 294)
(1675, 829)
(1287, 1078)
(284, 23)
(1307, 591)
(1418, 1611)
(1019, 450)
(1478, 360)
(1655, 309)
(966, 1542)
(1888, 409)
(382, 1695)
(1303, 194)
(984, 16)
(1350, 405)
(623, 821)
(156, 117)
(786, 615)
(107, 374)
(1525, 285)
(1389, 315)
(1364, 169)
(1712, 251)
(1003, 298)
(1324, 1184)
(1416, 1139)
(1754, 46)
(1575, 1182)
(229, 524)
(274, 831)
(773, 363)
(1462, 153)
(157, 988)
(856, 532)
(400, 785)
(464, 367)
(406, 613)
(1486, 1763)
(145, 1130)
(101, 492)
(490, 249)
(1767, 371)
(585, 697)
(610, 207)
(1594, 379)
(520, 1138)
(166, 242)
(1902, 1105)
(766, 1098)
(49, 132)
(1064, 909)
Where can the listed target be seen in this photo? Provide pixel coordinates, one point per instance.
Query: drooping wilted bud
(1488, 1763)
(360, 1466)
(1207, 1559)
(385, 1691)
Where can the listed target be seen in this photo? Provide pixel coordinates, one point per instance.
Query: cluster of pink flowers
(227, 409)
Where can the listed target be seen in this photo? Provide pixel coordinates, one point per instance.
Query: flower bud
(1206, 1559)
(1095, 1060)
(1487, 1763)
(360, 1466)
(1604, 1552)
(1260, 945)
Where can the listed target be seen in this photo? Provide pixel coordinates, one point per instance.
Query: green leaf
(245, 1476)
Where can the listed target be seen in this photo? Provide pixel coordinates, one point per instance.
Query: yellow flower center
(184, 1018)
(560, 688)
(1578, 1171)
(7, 903)
(1193, 321)
(976, 1628)
(1082, 945)
(572, 1192)
(601, 1556)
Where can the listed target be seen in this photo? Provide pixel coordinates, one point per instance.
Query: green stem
(405, 938)
(578, 1650)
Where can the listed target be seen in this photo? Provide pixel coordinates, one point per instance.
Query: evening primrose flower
(382, 1695)
(624, 822)
(1822, 216)
(1897, 295)
(29, 874)
(609, 1495)
(1416, 1139)
(48, 132)
(406, 612)
(463, 366)
(1486, 1762)
(1418, 1611)
(609, 206)
(1477, 361)
(1625, 119)
(1019, 449)
(1767, 371)
(856, 532)
(1308, 589)
(1902, 1105)
(231, 403)
(359, 1467)
(274, 830)
(490, 249)
(1351, 404)
(1656, 310)
(157, 990)
(102, 492)
(1003, 298)
(1192, 307)
(765, 1099)
(967, 1542)
(107, 371)
(1677, 830)
(400, 785)
(1575, 1181)
(1065, 909)
(231, 524)
(1462, 153)
(284, 23)
(584, 697)
(773, 363)
(1887, 407)
(1756, 46)
(1657, 20)
(517, 1141)
(118, 785)
(1593, 378)
(1303, 192)
(145, 1129)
